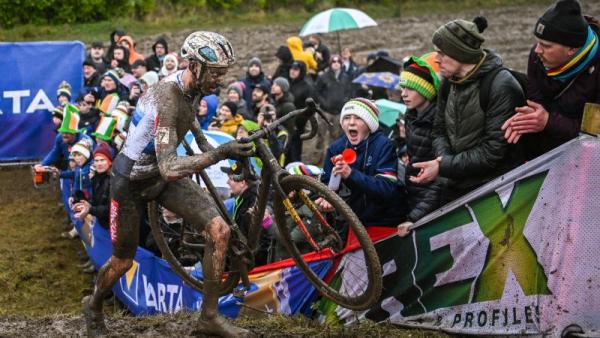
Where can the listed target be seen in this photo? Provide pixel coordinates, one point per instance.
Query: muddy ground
(40, 285)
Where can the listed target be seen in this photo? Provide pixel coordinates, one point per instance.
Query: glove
(236, 149)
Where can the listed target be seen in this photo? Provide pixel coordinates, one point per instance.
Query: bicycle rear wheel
(232, 275)
(359, 277)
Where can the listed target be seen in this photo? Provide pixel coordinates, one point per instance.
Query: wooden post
(590, 123)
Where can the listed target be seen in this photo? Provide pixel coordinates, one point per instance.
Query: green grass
(168, 20)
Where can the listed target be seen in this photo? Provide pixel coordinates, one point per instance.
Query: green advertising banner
(517, 256)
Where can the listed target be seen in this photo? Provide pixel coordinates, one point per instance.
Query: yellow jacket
(295, 46)
(230, 126)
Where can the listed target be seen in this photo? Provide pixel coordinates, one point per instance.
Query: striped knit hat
(106, 128)
(70, 123)
(365, 109)
(418, 75)
(64, 89)
(84, 147)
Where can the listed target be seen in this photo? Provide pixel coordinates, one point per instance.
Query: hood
(130, 41)
(212, 101)
(283, 53)
(295, 44)
(150, 78)
(163, 42)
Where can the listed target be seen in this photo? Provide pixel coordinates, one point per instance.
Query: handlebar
(309, 111)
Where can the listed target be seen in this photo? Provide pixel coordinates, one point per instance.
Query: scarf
(579, 62)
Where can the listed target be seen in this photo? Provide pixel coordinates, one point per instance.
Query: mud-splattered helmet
(208, 48)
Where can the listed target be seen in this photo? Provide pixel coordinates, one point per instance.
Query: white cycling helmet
(208, 48)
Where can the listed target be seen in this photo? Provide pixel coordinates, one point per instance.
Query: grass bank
(175, 19)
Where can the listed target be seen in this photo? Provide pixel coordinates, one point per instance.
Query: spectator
(254, 76)
(207, 110)
(115, 36)
(283, 101)
(169, 66)
(98, 205)
(228, 120)
(96, 56)
(159, 50)
(369, 185)
(284, 56)
(245, 191)
(127, 42)
(245, 128)
(139, 68)
(348, 65)
(563, 73)
(278, 139)
(91, 78)
(135, 91)
(82, 186)
(419, 83)
(301, 89)
(119, 60)
(63, 93)
(333, 90)
(89, 116)
(295, 46)
(260, 97)
(148, 79)
(235, 93)
(468, 141)
(57, 117)
(110, 85)
(322, 53)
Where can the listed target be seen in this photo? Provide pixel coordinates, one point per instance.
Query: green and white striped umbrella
(337, 19)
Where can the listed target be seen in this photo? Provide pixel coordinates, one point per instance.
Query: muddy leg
(108, 275)
(210, 322)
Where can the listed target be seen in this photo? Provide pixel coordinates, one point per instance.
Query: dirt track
(509, 32)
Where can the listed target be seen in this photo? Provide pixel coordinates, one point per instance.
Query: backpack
(486, 85)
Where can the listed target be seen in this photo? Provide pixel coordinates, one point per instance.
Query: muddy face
(212, 79)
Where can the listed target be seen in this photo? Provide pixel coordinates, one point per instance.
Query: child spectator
(419, 83)
(207, 110)
(370, 184)
(235, 93)
(63, 94)
(228, 120)
(57, 116)
(82, 186)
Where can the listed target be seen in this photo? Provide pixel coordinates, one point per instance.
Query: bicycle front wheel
(357, 281)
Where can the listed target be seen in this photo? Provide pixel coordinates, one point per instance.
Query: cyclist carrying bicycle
(148, 168)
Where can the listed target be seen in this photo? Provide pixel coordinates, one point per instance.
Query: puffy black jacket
(100, 198)
(422, 198)
(470, 141)
(153, 62)
(285, 62)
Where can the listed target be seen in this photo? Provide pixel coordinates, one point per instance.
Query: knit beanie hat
(58, 112)
(232, 107)
(418, 75)
(563, 23)
(365, 109)
(283, 83)
(64, 89)
(237, 87)
(103, 149)
(84, 147)
(113, 74)
(109, 103)
(106, 128)
(255, 61)
(70, 123)
(461, 39)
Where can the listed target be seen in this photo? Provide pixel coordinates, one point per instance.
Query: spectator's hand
(89, 97)
(213, 126)
(531, 118)
(135, 92)
(323, 204)
(114, 64)
(342, 168)
(428, 172)
(404, 228)
(81, 209)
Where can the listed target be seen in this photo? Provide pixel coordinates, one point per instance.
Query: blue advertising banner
(31, 73)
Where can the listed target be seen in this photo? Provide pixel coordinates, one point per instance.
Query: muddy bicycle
(289, 192)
